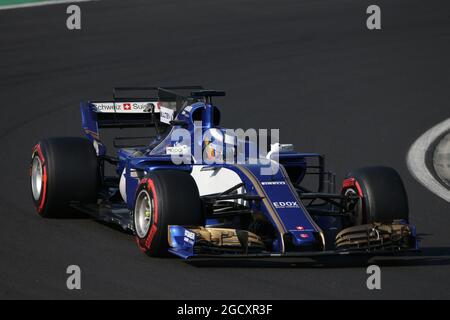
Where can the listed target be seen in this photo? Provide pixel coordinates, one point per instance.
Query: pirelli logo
(273, 183)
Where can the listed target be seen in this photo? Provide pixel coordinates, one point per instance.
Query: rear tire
(382, 195)
(63, 170)
(164, 198)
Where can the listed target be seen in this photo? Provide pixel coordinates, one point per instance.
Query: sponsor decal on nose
(285, 204)
(304, 235)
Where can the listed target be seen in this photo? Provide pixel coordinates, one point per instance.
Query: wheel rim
(356, 214)
(36, 178)
(143, 213)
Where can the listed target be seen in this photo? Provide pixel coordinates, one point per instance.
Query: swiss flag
(127, 106)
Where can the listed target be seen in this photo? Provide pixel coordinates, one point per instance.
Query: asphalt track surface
(310, 68)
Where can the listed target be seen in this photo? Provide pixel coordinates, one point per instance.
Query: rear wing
(134, 107)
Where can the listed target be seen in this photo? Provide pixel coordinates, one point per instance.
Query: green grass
(8, 2)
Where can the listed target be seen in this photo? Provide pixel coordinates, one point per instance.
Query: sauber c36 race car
(175, 201)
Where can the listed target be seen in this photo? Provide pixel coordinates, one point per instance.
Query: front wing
(369, 240)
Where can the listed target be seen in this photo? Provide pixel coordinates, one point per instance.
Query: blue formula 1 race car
(193, 189)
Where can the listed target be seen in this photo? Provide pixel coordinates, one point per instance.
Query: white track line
(416, 160)
(38, 4)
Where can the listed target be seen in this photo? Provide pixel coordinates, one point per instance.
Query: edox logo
(287, 204)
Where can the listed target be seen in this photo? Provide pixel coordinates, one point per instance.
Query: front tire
(382, 195)
(164, 198)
